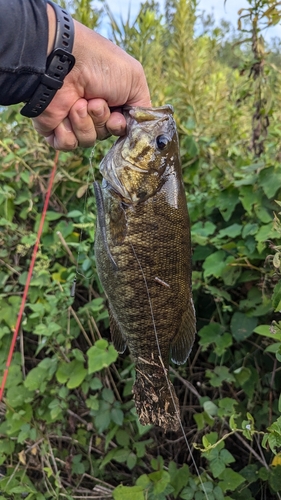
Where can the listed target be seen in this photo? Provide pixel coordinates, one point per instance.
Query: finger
(48, 121)
(63, 137)
(82, 124)
(100, 113)
(116, 123)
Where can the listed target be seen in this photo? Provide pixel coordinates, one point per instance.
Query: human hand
(103, 77)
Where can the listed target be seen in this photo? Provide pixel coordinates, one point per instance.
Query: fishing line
(165, 373)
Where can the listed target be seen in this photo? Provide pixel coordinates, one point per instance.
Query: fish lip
(133, 111)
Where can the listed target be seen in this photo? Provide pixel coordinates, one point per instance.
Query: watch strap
(59, 63)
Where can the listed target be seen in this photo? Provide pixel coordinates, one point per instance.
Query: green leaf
(266, 331)
(9, 311)
(276, 296)
(200, 421)
(250, 473)
(78, 355)
(96, 384)
(73, 373)
(218, 292)
(227, 201)
(265, 233)
(161, 479)
(263, 215)
(128, 493)
(242, 375)
(250, 229)
(226, 407)
(47, 331)
(77, 376)
(209, 334)
(108, 395)
(219, 375)
(226, 456)
(131, 461)
(53, 215)
(101, 355)
(187, 493)
(222, 343)
(210, 408)
(121, 455)
(217, 466)
(218, 493)
(201, 231)
(140, 447)
(19, 394)
(179, 477)
(231, 231)
(275, 478)
(92, 402)
(247, 197)
(215, 264)
(191, 146)
(270, 180)
(242, 326)
(102, 420)
(74, 213)
(264, 473)
(230, 480)
(117, 416)
(122, 438)
(35, 378)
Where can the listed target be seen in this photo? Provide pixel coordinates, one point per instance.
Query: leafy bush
(68, 426)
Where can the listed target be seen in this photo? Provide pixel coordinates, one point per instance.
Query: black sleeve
(23, 48)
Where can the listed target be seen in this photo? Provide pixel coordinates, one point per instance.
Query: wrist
(52, 25)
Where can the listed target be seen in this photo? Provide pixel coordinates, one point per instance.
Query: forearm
(24, 45)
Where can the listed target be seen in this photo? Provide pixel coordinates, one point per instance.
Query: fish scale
(149, 292)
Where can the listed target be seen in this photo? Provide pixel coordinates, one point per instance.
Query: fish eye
(162, 141)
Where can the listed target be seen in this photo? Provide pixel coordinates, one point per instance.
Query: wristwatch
(59, 63)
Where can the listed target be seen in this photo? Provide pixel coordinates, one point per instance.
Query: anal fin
(184, 339)
(117, 337)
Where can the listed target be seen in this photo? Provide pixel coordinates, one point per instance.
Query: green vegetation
(68, 427)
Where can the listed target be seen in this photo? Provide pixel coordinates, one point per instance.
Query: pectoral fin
(183, 341)
(101, 222)
(117, 222)
(118, 339)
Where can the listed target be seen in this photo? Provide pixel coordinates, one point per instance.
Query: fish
(143, 257)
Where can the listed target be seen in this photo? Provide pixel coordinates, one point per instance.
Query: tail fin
(155, 398)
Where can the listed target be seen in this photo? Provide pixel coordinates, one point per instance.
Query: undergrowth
(68, 426)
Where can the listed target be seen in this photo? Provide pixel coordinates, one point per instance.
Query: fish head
(137, 163)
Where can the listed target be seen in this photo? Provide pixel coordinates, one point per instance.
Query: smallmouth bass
(143, 257)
